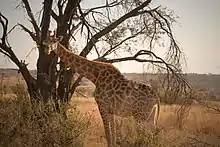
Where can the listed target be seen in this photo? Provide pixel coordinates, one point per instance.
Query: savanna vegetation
(26, 124)
(48, 109)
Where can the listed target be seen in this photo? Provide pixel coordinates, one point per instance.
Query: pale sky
(198, 33)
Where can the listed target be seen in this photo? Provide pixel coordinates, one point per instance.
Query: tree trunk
(45, 75)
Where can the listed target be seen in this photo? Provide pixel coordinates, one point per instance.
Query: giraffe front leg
(106, 117)
(109, 129)
(112, 125)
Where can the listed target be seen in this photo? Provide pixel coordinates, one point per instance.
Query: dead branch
(31, 16)
(208, 105)
(7, 50)
(112, 4)
(12, 29)
(45, 21)
(4, 23)
(32, 35)
(54, 16)
(174, 53)
(144, 52)
(109, 28)
(70, 10)
(76, 83)
(60, 6)
(120, 43)
(81, 94)
(196, 141)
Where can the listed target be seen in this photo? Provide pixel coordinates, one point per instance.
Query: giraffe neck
(92, 70)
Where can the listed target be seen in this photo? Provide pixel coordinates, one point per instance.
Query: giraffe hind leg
(147, 121)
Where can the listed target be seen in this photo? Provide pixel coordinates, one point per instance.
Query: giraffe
(114, 93)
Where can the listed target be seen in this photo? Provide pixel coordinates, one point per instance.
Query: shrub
(128, 136)
(23, 123)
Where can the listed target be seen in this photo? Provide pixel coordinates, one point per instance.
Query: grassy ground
(200, 126)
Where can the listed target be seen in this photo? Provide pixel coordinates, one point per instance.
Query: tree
(118, 24)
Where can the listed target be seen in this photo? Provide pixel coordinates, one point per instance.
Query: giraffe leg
(144, 123)
(112, 126)
(109, 128)
(149, 120)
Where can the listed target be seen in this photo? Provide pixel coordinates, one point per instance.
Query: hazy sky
(198, 34)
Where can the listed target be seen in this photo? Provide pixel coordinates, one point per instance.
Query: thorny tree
(113, 27)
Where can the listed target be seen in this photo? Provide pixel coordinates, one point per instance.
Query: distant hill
(14, 72)
(209, 82)
(204, 82)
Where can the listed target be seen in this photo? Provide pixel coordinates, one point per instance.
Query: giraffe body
(114, 93)
(126, 98)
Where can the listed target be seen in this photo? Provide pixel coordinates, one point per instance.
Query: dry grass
(201, 127)
(200, 124)
(38, 124)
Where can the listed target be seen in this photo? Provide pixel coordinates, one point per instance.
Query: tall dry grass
(23, 123)
(200, 128)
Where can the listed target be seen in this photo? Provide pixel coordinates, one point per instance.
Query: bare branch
(208, 105)
(75, 27)
(32, 35)
(31, 16)
(81, 94)
(55, 16)
(112, 4)
(139, 53)
(175, 54)
(120, 43)
(169, 67)
(109, 28)
(148, 11)
(4, 23)
(69, 11)
(45, 22)
(60, 7)
(197, 141)
(76, 83)
(7, 50)
(2, 51)
(84, 22)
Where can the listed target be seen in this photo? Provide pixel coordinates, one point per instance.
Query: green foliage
(23, 123)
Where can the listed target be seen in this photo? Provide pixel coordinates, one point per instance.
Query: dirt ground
(200, 122)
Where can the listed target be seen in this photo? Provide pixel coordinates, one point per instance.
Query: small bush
(23, 123)
(147, 140)
(128, 135)
(19, 90)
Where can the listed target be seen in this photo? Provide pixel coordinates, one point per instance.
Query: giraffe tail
(157, 112)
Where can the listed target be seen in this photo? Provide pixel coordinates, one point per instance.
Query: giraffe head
(51, 43)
